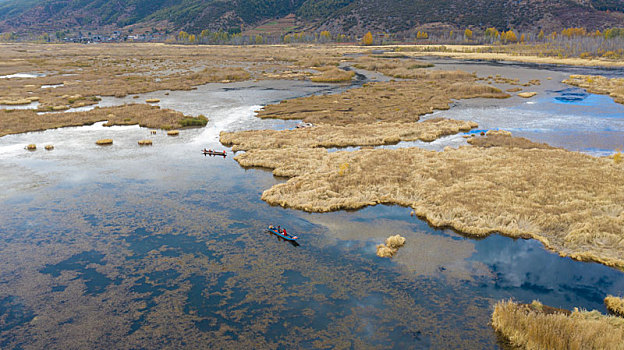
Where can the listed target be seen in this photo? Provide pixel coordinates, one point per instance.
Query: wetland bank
(160, 247)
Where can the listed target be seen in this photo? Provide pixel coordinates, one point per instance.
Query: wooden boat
(274, 231)
(214, 153)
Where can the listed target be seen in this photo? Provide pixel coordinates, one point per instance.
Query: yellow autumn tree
(367, 39)
(540, 36)
(325, 36)
(468, 33)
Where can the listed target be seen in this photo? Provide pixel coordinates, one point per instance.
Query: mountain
(338, 16)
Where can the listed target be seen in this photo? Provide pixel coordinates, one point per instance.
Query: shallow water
(150, 247)
(560, 115)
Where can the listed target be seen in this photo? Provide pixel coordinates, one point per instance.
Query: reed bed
(615, 305)
(569, 201)
(343, 136)
(391, 246)
(402, 101)
(529, 327)
(598, 84)
(333, 75)
(18, 121)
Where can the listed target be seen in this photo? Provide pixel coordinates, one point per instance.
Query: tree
(191, 38)
(540, 36)
(509, 36)
(183, 36)
(468, 34)
(422, 35)
(492, 33)
(368, 39)
(325, 36)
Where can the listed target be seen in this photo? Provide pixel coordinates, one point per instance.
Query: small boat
(214, 153)
(287, 237)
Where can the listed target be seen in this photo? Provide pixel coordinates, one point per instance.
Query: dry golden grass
(145, 142)
(529, 327)
(527, 94)
(391, 247)
(597, 84)
(49, 147)
(395, 67)
(615, 305)
(152, 100)
(497, 139)
(18, 121)
(521, 54)
(31, 147)
(333, 75)
(104, 142)
(571, 202)
(402, 101)
(173, 132)
(343, 136)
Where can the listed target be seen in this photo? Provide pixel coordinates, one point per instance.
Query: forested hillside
(345, 16)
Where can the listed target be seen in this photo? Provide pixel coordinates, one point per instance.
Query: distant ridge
(338, 16)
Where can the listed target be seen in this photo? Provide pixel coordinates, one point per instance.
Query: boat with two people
(281, 232)
(210, 152)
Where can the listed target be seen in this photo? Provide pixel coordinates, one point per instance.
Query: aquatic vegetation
(393, 243)
(18, 121)
(31, 147)
(401, 101)
(342, 136)
(49, 147)
(615, 305)
(527, 94)
(104, 142)
(333, 75)
(536, 326)
(152, 100)
(145, 142)
(502, 138)
(194, 121)
(173, 132)
(572, 207)
(598, 84)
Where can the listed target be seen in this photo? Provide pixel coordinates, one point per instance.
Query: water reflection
(156, 247)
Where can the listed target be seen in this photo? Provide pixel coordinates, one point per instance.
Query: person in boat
(205, 150)
(279, 229)
(285, 234)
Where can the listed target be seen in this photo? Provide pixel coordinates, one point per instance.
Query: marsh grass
(569, 201)
(598, 84)
(104, 142)
(381, 133)
(615, 305)
(333, 75)
(401, 101)
(531, 328)
(18, 121)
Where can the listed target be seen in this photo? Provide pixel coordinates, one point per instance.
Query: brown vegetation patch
(31, 147)
(145, 142)
(527, 94)
(598, 84)
(571, 202)
(49, 147)
(333, 75)
(18, 121)
(173, 132)
(392, 245)
(152, 100)
(395, 67)
(527, 327)
(402, 101)
(342, 136)
(104, 142)
(615, 305)
(503, 140)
